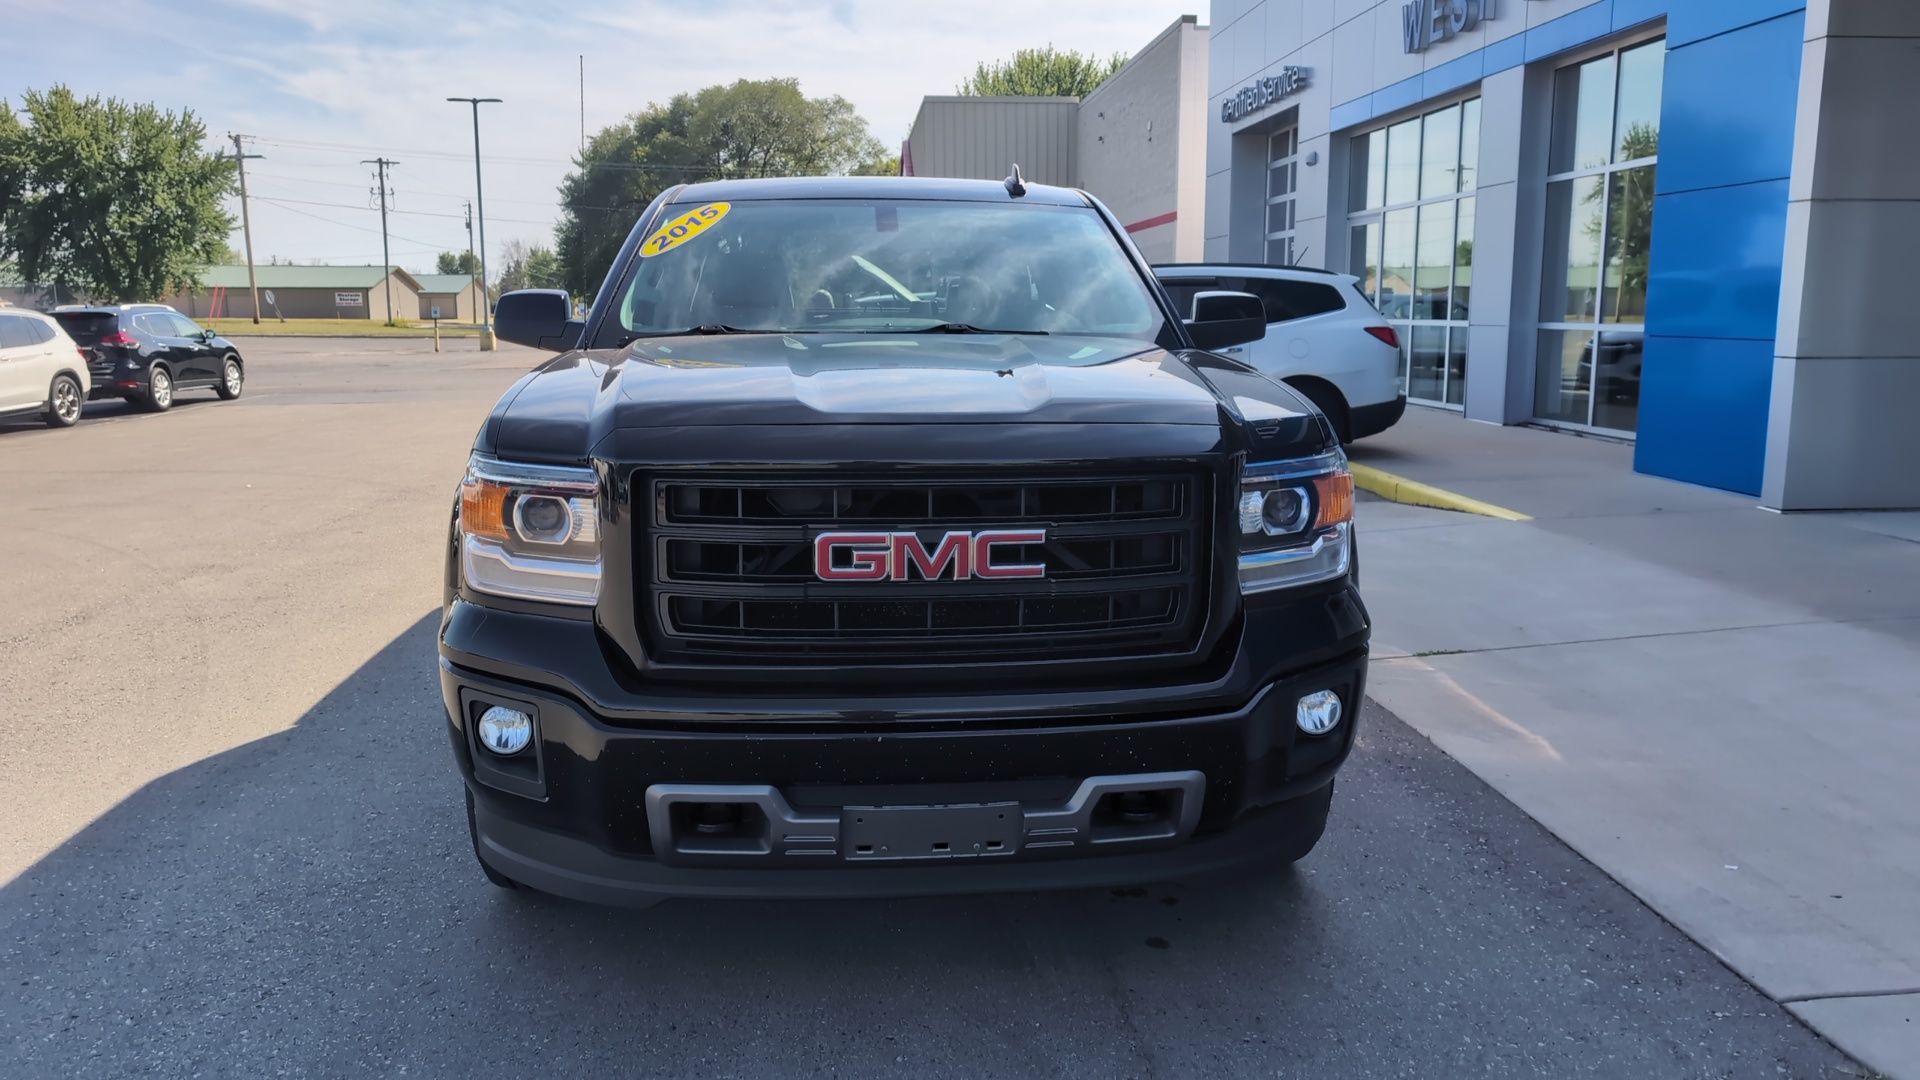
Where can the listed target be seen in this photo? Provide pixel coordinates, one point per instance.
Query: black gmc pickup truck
(881, 536)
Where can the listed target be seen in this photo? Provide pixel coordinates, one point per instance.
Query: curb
(1399, 489)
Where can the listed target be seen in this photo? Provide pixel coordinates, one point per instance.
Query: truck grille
(728, 567)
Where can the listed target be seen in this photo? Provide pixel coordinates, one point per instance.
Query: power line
(415, 213)
(629, 165)
(342, 224)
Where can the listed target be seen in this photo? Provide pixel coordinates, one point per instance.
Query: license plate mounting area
(969, 831)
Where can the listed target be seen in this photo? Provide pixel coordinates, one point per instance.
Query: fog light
(507, 731)
(1318, 712)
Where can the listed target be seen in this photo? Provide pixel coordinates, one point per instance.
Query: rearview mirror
(1221, 319)
(537, 318)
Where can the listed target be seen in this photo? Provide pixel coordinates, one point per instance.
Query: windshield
(884, 265)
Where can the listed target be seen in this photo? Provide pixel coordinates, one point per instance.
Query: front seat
(751, 290)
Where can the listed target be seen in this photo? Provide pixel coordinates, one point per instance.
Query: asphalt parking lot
(236, 846)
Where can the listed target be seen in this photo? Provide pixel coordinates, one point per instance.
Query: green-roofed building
(456, 296)
(302, 292)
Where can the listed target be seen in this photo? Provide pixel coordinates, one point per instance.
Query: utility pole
(240, 157)
(473, 267)
(487, 342)
(583, 103)
(383, 164)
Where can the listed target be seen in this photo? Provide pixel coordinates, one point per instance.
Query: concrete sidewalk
(1717, 705)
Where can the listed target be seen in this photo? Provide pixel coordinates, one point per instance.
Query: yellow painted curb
(1414, 493)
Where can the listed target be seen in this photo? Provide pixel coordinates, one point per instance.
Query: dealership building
(1682, 222)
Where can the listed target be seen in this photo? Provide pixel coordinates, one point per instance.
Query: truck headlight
(531, 532)
(1296, 522)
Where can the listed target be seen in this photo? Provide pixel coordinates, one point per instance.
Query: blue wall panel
(1716, 262)
(1703, 411)
(1727, 116)
(1576, 27)
(1713, 294)
(1692, 20)
(1627, 13)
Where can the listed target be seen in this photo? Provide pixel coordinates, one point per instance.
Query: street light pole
(487, 342)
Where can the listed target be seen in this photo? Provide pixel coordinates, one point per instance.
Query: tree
(880, 164)
(1047, 72)
(526, 266)
(110, 199)
(457, 262)
(746, 129)
(1627, 246)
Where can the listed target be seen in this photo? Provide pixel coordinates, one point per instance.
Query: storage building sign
(349, 299)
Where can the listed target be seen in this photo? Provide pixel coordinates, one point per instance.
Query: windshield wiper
(703, 328)
(964, 328)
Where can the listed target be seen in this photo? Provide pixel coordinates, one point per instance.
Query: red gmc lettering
(983, 554)
(955, 547)
(868, 564)
(879, 556)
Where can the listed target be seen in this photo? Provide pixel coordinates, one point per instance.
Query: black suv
(880, 536)
(148, 352)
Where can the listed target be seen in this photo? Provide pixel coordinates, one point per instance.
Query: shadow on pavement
(308, 904)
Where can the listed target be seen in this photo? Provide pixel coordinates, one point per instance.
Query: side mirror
(537, 318)
(1221, 319)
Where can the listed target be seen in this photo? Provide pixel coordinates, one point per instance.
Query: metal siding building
(1137, 143)
(456, 295)
(980, 138)
(301, 292)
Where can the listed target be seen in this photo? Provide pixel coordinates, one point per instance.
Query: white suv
(1323, 338)
(41, 369)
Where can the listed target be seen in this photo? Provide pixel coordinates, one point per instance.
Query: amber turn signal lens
(1336, 498)
(483, 509)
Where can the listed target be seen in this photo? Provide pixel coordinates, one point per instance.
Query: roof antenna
(1016, 184)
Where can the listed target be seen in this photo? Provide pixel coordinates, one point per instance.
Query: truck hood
(837, 379)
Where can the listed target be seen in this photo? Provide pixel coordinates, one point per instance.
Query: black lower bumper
(566, 866)
(1365, 420)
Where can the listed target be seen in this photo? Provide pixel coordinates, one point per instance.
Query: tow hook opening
(719, 828)
(1144, 814)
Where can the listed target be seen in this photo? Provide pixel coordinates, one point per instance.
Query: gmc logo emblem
(880, 556)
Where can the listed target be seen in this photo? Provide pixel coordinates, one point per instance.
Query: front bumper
(570, 815)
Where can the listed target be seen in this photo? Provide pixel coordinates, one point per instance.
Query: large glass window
(1593, 303)
(1283, 182)
(1411, 240)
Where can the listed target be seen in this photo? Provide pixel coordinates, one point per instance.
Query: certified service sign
(1261, 93)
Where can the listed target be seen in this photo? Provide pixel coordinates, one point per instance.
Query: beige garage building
(457, 296)
(302, 292)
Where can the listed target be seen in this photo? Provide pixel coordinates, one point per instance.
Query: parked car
(41, 369)
(1323, 338)
(880, 537)
(147, 353)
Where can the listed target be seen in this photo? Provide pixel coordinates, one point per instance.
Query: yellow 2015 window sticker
(683, 228)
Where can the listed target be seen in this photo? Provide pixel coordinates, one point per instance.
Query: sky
(320, 85)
